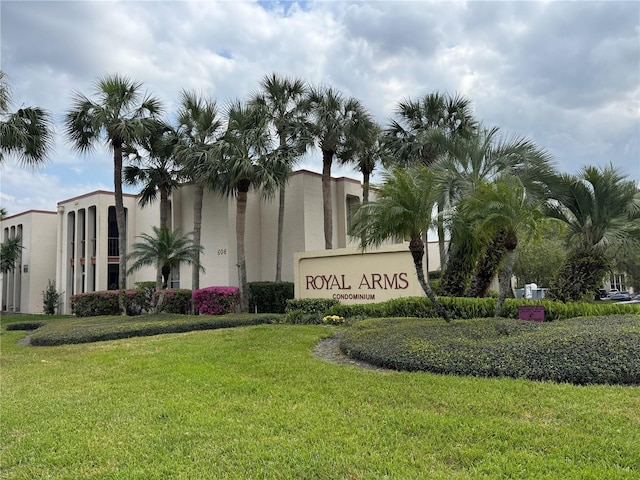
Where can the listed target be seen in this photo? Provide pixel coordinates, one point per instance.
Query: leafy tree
(50, 298)
(365, 150)
(538, 259)
(403, 209)
(285, 104)
(120, 116)
(199, 130)
(335, 127)
(164, 249)
(10, 251)
(600, 208)
(26, 133)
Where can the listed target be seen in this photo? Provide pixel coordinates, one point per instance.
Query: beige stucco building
(77, 246)
(21, 289)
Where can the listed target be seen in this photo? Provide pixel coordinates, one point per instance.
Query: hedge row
(95, 330)
(466, 308)
(269, 297)
(309, 310)
(594, 350)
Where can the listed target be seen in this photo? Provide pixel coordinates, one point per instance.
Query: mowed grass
(253, 403)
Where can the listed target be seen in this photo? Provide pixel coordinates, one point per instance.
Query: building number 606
(222, 251)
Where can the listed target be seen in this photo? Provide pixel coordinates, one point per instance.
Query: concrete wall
(21, 290)
(352, 276)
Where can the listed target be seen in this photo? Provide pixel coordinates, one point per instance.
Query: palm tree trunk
(327, 159)
(441, 241)
(197, 228)
(280, 234)
(504, 279)
(122, 226)
(164, 216)
(366, 175)
(241, 212)
(416, 246)
(488, 265)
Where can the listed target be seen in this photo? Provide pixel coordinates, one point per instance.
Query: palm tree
(409, 138)
(199, 130)
(403, 208)
(26, 133)
(120, 115)
(165, 250)
(246, 161)
(464, 164)
(285, 104)
(504, 208)
(601, 208)
(10, 251)
(157, 171)
(364, 148)
(333, 124)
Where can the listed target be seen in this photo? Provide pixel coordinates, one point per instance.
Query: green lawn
(253, 403)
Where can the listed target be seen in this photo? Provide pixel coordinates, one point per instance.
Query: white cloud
(564, 73)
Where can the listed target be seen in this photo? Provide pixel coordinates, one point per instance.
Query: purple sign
(531, 312)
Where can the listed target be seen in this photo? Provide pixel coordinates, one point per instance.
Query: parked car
(620, 297)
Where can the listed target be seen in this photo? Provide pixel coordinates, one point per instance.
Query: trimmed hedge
(593, 350)
(466, 308)
(215, 300)
(92, 304)
(174, 300)
(270, 297)
(308, 311)
(25, 325)
(113, 328)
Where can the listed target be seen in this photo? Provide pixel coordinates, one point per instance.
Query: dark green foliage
(488, 265)
(594, 350)
(50, 298)
(308, 311)
(147, 289)
(580, 276)
(25, 325)
(114, 328)
(311, 305)
(467, 308)
(457, 276)
(174, 301)
(93, 304)
(269, 296)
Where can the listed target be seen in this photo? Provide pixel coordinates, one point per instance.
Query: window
(352, 203)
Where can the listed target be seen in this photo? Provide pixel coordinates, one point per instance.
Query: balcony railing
(113, 247)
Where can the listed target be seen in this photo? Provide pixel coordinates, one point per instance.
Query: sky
(563, 74)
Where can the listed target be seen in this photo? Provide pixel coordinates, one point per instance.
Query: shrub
(466, 308)
(173, 301)
(215, 300)
(50, 298)
(270, 296)
(25, 325)
(75, 331)
(308, 310)
(593, 350)
(146, 289)
(93, 304)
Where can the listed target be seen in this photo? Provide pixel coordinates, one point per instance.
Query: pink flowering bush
(215, 300)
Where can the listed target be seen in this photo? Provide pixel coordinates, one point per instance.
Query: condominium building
(78, 246)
